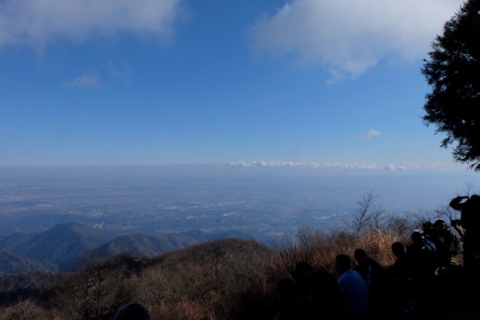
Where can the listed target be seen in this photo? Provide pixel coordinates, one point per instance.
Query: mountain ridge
(63, 246)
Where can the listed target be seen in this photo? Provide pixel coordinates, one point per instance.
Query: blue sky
(98, 82)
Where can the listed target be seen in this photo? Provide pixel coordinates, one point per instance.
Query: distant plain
(267, 203)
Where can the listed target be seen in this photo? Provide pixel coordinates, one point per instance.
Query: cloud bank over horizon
(40, 22)
(352, 165)
(351, 36)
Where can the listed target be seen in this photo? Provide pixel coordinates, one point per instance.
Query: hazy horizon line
(370, 166)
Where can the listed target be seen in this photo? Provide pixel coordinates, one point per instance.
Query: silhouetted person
(422, 267)
(470, 209)
(458, 226)
(368, 268)
(375, 277)
(292, 306)
(450, 239)
(457, 238)
(400, 284)
(441, 246)
(320, 288)
(421, 244)
(132, 311)
(426, 229)
(353, 289)
(470, 221)
(401, 267)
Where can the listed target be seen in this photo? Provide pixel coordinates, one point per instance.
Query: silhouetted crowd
(371, 291)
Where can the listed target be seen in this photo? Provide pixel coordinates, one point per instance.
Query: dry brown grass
(320, 248)
(24, 310)
(377, 243)
(225, 279)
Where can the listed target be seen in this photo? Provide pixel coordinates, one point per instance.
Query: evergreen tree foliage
(453, 72)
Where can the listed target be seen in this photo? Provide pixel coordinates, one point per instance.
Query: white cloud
(38, 22)
(120, 71)
(342, 165)
(351, 36)
(370, 134)
(91, 78)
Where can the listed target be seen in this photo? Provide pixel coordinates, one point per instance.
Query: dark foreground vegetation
(223, 279)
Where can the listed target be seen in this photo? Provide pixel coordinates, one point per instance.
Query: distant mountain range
(10, 263)
(61, 247)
